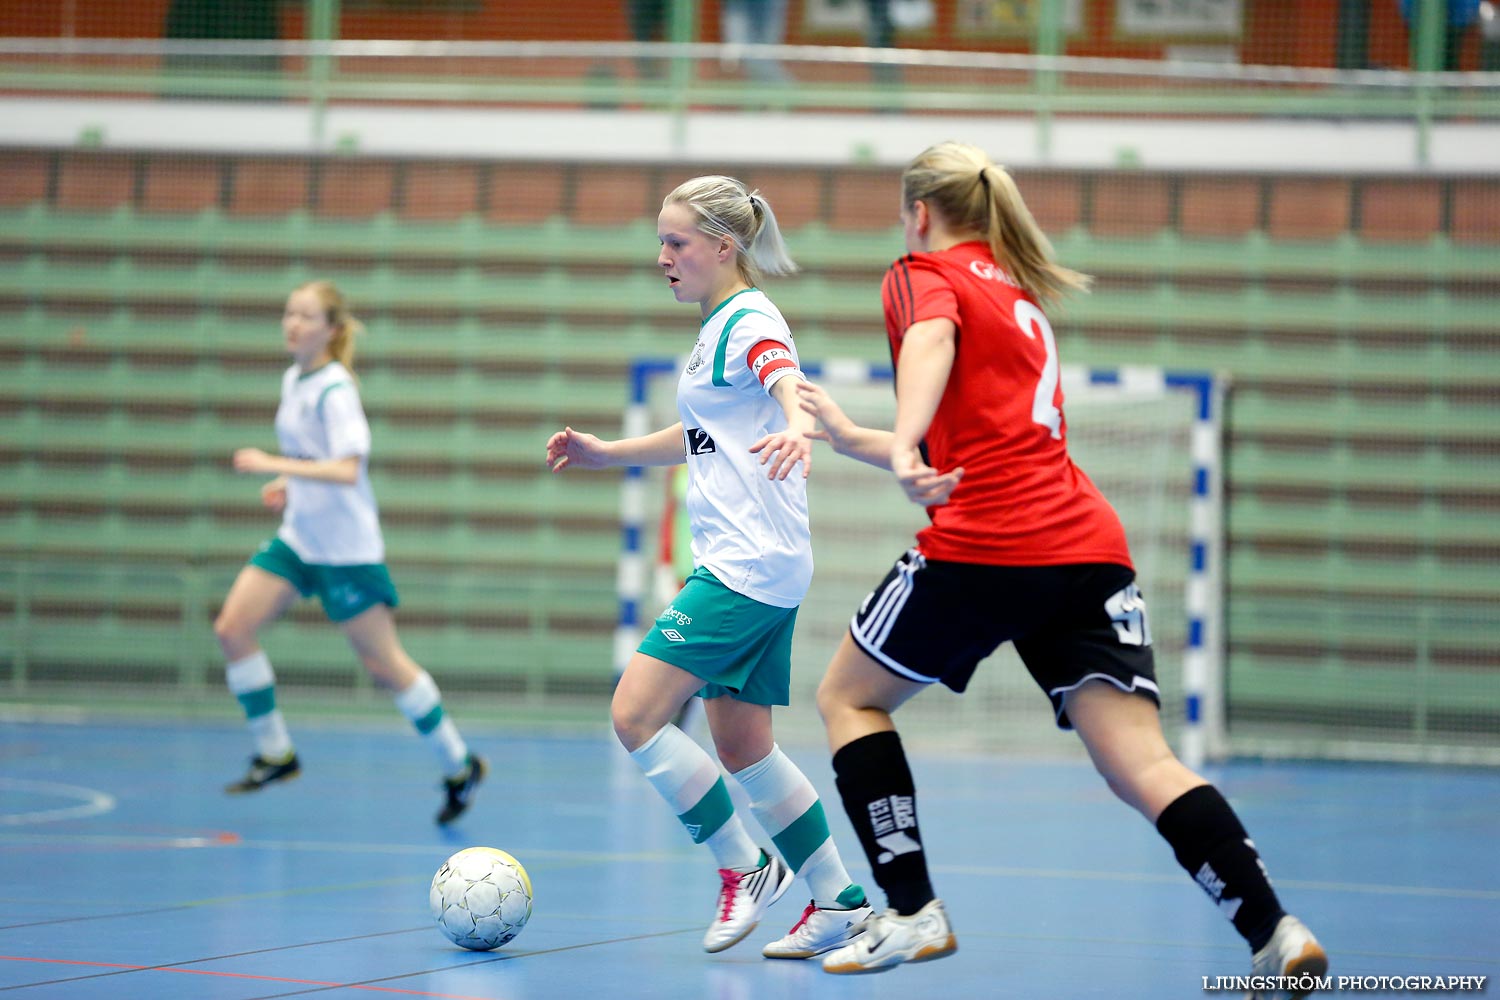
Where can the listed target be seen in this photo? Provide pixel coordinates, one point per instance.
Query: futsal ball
(480, 898)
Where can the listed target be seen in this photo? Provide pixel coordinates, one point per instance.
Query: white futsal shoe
(744, 898)
(820, 930)
(1292, 951)
(889, 939)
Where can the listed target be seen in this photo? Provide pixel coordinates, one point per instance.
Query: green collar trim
(716, 309)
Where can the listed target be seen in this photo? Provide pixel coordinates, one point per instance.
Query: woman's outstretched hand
(252, 460)
(569, 448)
(782, 451)
(837, 426)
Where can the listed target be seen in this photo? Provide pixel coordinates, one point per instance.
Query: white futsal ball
(480, 898)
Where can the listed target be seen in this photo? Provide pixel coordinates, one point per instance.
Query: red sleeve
(768, 357)
(916, 289)
(895, 296)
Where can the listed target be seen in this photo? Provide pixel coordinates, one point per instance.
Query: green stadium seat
(468, 496)
(139, 311)
(1337, 466)
(1321, 570)
(1292, 621)
(1376, 686)
(1338, 522)
(1259, 413)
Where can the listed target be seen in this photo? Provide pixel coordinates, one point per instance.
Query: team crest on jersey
(696, 361)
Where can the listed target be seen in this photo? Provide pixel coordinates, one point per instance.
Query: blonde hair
(962, 185)
(345, 326)
(725, 209)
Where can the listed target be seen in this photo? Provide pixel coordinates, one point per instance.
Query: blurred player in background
(329, 544)
(727, 635)
(1022, 547)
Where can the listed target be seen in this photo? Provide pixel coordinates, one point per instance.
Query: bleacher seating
(138, 304)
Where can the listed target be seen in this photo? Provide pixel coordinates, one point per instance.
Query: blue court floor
(126, 874)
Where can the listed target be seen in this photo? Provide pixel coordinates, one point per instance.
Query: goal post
(1151, 438)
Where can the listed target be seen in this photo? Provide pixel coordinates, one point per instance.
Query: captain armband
(771, 361)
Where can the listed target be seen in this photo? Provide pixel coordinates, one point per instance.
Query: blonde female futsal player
(329, 544)
(727, 635)
(1022, 548)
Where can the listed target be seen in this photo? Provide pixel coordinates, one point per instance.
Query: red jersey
(1022, 501)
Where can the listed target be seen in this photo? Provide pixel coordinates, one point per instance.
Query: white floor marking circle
(90, 802)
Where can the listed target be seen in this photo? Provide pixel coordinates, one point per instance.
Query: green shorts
(736, 645)
(345, 591)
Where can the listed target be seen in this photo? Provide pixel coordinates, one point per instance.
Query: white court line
(92, 802)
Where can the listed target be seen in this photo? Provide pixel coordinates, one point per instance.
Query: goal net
(1148, 438)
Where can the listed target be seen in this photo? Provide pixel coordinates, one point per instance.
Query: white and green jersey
(320, 418)
(749, 531)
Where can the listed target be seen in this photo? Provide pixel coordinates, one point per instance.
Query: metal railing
(682, 78)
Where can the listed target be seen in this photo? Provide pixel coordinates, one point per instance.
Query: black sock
(1212, 845)
(876, 785)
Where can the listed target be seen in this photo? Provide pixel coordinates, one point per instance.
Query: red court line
(238, 975)
(214, 838)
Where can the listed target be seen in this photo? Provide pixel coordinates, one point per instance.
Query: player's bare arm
(927, 352)
(344, 471)
(575, 449)
(867, 444)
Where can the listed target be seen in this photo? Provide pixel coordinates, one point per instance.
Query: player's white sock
(253, 682)
(787, 806)
(422, 703)
(685, 775)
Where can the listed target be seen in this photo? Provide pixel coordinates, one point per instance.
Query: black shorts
(931, 621)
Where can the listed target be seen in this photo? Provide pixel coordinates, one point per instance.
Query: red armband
(769, 357)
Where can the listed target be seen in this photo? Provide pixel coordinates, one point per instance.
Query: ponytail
(345, 326)
(1016, 240)
(971, 193)
(768, 252)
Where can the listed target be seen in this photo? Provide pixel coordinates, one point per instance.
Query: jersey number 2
(1043, 411)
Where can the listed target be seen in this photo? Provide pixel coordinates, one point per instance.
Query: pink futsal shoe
(744, 898)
